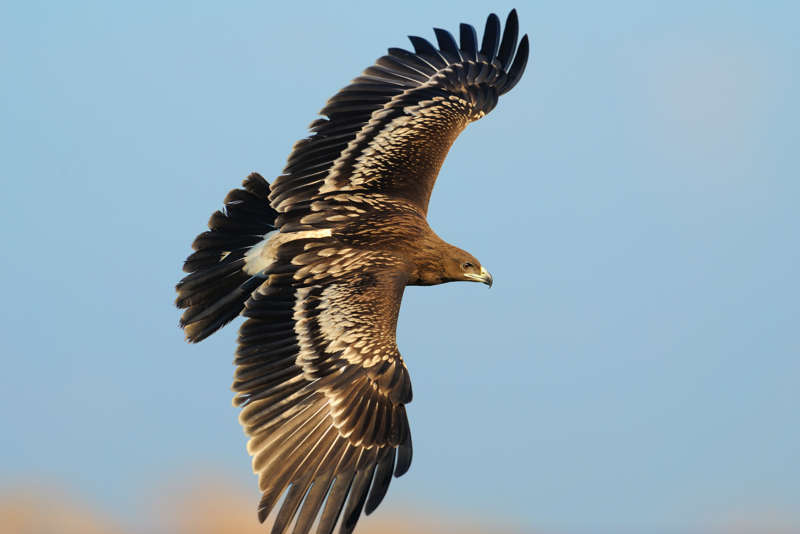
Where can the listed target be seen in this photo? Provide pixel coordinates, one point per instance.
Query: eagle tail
(214, 292)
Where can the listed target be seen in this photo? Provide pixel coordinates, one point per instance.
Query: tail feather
(216, 288)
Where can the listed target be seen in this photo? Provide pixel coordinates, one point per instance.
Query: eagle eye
(467, 265)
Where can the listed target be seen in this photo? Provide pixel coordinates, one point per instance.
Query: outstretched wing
(389, 131)
(323, 385)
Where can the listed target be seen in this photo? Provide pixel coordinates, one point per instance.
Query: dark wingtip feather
(358, 496)
(311, 505)
(518, 67)
(380, 484)
(510, 34)
(404, 454)
(469, 41)
(266, 504)
(289, 507)
(335, 502)
(447, 44)
(491, 37)
(424, 48)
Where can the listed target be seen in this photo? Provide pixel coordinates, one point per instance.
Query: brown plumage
(317, 262)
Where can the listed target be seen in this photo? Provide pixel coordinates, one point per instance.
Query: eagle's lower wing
(323, 385)
(389, 131)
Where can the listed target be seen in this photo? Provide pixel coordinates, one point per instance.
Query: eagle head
(463, 266)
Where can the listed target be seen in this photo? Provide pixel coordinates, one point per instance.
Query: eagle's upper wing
(391, 128)
(323, 384)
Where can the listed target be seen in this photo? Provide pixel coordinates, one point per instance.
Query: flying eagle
(317, 262)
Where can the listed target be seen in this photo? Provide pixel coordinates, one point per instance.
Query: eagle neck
(427, 259)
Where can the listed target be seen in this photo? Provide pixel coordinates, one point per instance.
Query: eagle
(317, 262)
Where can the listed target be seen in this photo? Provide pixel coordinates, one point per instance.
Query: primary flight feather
(318, 261)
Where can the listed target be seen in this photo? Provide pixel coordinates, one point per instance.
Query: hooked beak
(484, 277)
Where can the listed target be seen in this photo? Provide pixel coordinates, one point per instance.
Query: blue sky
(635, 366)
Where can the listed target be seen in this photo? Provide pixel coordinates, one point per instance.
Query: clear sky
(635, 367)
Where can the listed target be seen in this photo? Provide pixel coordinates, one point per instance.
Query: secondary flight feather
(318, 261)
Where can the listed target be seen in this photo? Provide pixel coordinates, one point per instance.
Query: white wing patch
(264, 253)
